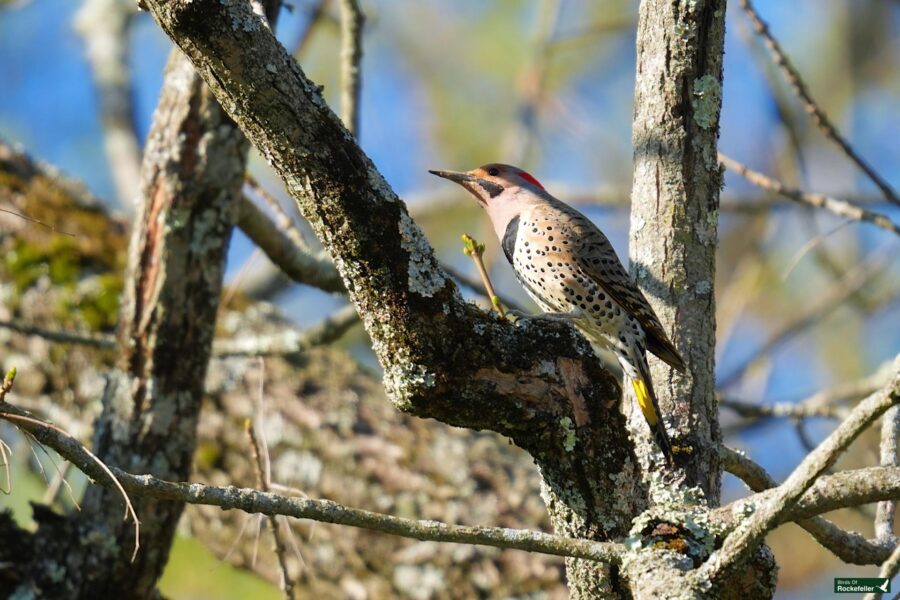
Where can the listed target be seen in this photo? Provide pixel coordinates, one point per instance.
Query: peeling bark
(192, 175)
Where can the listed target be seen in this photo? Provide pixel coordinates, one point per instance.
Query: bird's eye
(494, 171)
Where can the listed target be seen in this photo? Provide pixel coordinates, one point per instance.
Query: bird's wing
(593, 253)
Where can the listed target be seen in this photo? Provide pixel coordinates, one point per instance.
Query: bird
(570, 269)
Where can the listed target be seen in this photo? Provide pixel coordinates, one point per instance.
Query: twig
(36, 221)
(43, 431)
(890, 568)
(104, 25)
(267, 503)
(828, 302)
(752, 410)
(102, 341)
(352, 20)
(6, 457)
(476, 286)
(743, 540)
(818, 116)
(7, 384)
(890, 431)
(476, 251)
(59, 482)
(287, 342)
(285, 222)
(262, 482)
(317, 13)
(850, 547)
(532, 83)
(290, 341)
(842, 208)
(301, 266)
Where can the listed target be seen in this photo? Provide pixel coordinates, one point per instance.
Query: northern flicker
(570, 269)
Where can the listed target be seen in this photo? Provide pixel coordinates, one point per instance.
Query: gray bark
(674, 211)
(537, 383)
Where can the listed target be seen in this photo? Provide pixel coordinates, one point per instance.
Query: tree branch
(812, 108)
(890, 430)
(104, 25)
(295, 261)
(352, 20)
(254, 501)
(833, 298)
(743, 540)
(848, 546)
(413, 313)
(841, 208)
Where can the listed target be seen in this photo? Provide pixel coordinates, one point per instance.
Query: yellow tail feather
(644, 401)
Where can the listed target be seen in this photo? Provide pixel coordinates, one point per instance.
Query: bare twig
(828, 302)
(532, 83)
(317, 14)
(888, 570)
(812, 108)
(352, 20)
(290, 341)
(94, 340)
(285, 222)
(6, 456)
(59, 482)
(104, 26)
(267, 503)
(476, 251)
(298, 264)
(286, 342)
(752, 410)
(478, 286)
(43, 431)
(842, 208)
(744, 539)
(36, 221)
(848, 546)
(890, 430)
(262, 482)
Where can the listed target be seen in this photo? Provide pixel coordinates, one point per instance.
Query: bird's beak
(482, 189)
(456, 176)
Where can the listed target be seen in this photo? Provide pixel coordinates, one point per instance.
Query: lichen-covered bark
(674, 220)
(445, 359)
(674, 211)
(192, 173)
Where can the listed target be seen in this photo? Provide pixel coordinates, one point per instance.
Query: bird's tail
(646, 397)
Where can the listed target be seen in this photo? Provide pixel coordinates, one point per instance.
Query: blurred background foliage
(548, 85)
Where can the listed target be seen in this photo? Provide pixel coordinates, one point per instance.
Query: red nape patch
(530, 179)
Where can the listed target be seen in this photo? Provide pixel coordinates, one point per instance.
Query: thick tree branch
(442, 357)
(674, 216)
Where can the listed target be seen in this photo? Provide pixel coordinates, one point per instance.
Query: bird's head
(503, 190)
